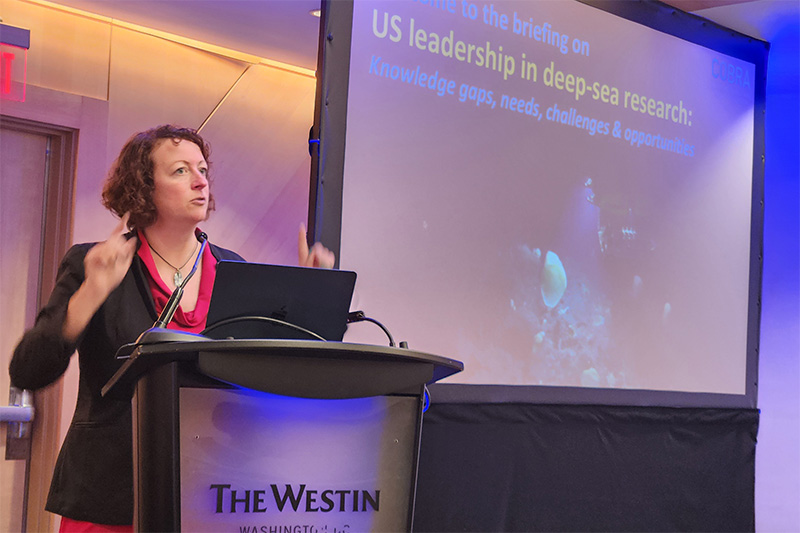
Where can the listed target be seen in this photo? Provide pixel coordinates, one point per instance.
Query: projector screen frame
(327, 147)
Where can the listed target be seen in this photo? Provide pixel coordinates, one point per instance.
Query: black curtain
(524, 467)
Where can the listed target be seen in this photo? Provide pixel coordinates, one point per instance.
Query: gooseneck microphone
(159, 332)
(175, 299)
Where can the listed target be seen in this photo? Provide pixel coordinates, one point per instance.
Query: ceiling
(283, 30)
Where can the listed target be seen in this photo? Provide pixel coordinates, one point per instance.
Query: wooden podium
(276, 435)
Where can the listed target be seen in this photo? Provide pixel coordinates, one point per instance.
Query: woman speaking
(106, 295)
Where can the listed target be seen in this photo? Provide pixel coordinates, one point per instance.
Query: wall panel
(154, 81)
(261, 164)
(68, 53)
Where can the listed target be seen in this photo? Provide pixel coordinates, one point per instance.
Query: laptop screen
(260, 301)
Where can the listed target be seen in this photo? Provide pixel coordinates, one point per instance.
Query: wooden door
(36, 169)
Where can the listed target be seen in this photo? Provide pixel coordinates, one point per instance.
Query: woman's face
(180, 175)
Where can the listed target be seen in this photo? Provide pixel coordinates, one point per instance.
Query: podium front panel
(252, 461)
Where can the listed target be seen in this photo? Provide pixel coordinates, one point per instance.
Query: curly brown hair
(129, 186)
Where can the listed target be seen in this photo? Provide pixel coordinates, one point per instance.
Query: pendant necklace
(177, 277)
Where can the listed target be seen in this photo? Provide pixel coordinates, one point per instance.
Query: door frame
(56, 238)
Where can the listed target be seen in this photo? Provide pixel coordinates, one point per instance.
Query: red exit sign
(14, 44)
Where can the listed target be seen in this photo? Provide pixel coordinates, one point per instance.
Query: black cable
(276, 321)
(359, 316)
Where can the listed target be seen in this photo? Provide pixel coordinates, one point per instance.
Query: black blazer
(93, 477)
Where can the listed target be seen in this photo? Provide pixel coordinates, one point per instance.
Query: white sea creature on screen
(554, 279)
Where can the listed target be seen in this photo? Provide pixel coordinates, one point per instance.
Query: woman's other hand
(318, 256)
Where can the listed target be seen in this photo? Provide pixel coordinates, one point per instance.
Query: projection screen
(565, 199)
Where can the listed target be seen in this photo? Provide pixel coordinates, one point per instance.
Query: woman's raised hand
(106, 263)
(105, 266)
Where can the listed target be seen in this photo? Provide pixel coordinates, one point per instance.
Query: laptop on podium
(262, 301)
